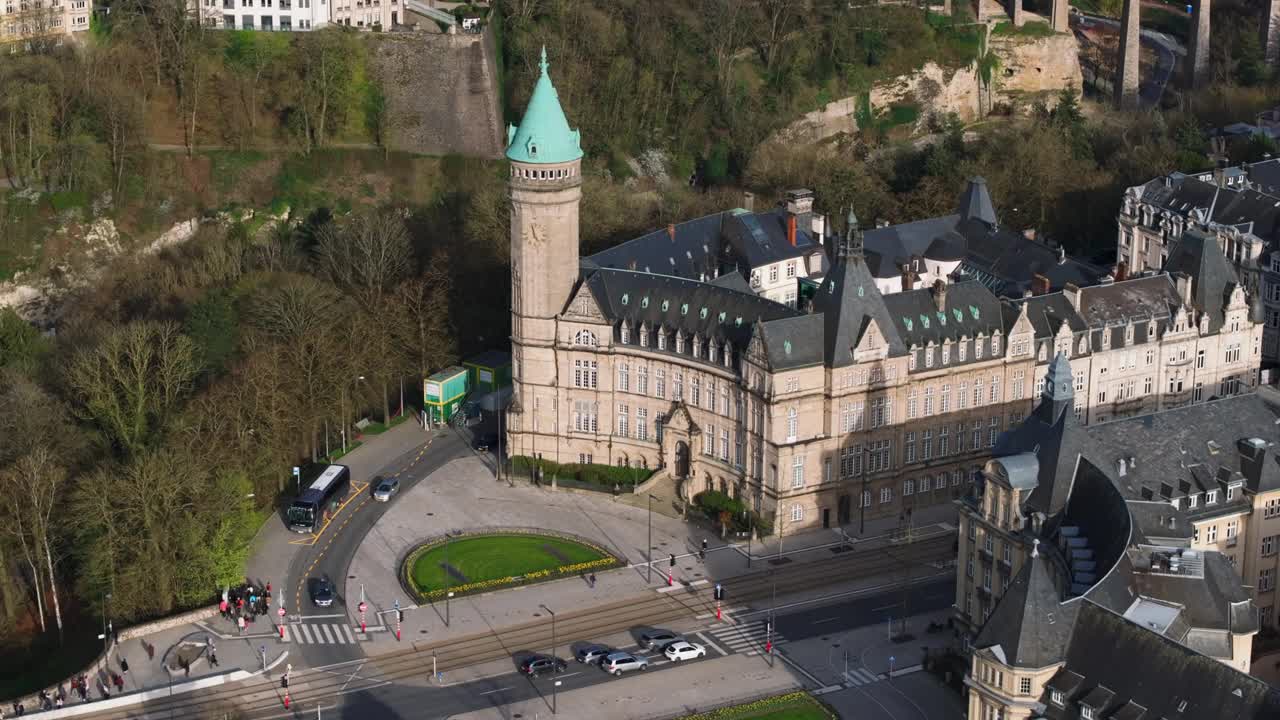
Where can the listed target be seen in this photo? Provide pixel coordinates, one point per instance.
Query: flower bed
(484, 553)
(789, 706)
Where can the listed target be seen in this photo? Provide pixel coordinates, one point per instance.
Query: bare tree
(728, 23)
(368, 255)
(130, 383)
(33, 489)
(778, 17)
(326, 74)
(423, 327)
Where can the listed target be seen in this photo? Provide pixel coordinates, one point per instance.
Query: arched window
(585, 337)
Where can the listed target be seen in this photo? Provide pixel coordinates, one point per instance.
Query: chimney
(800, 207)
(940, 294)
(1182, 282)
(791, 230)
(749, 201)
(671, 231)
(1039, 284)
(1122, 467)
(881, 223)
(1072, 294)
(908, 278)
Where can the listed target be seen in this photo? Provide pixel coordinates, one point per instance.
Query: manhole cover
(517, 716)
(351, 577)
(697, 574)
(537, 614)
(430, 514)
(424, 632)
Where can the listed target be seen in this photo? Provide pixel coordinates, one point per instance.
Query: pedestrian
(57, 703)
(124, 666)
(240, 622)
(222, 608)
(268, 588)
(151, 650)
(213, 657)
(118, 682)
(592, 579)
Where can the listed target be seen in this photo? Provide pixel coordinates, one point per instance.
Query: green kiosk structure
(443, 392)
(489, 371)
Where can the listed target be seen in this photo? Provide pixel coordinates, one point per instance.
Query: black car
(321, 592)
(485, 441)
(536, 665)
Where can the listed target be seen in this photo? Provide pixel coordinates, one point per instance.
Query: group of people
(242, 605)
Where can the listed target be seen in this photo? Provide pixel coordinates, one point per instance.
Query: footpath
(178, 654)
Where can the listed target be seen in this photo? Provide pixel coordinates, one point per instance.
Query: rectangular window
(1272, 508)
(911, 404)
(624, 414)
(696, 388)
(1269, 546)
(642, 379)
(1211, 534)
(944, 441)
(886, 495)
(709, 440)
(909, 443)
(792, 425)
(724, 444)
(926, 445)
(584, 416)
(660, 384)
(881, 412)
(1267, 580)
(677, 386)
(1211, 497)
(944, 402)
(797, 472)
(797, 513)
(642, 424)
(993, 431)
(624, 378)
(909, 487)
(928, 401)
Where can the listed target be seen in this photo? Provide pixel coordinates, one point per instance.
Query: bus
(305, 512)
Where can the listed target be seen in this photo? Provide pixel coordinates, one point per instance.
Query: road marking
(825, 620)
(683, 586)
(886, 607)
(322, 634)
(862, 591)
(707, 641)
(350, 638)
(352, 677)
(304, 634)
(490, 692)
(318, 617)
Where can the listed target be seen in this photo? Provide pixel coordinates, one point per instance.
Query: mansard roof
(711, 246)
(693, 307)
(969, 309)
(1029, 625)
(1135, 666)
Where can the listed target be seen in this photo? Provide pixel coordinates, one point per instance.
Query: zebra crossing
(748, 639)
(859, 677)
(320, 634)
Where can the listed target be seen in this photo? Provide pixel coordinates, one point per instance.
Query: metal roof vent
(1214, 447)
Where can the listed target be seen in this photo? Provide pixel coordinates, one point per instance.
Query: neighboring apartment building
(265, 15)
(1155, 342)
(1238, 206)
(1107, 602)
(657, 353)
(25, 21)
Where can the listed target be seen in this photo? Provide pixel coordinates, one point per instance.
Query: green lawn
(491, 557)
(791, 706)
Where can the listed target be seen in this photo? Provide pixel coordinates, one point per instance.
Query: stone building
(25, 21)
(1239, 207)
(1089, 586)
(854, 405)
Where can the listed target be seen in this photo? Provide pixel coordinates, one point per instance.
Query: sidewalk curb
(137, 698)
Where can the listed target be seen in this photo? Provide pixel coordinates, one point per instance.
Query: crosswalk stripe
(861, 676)
(304, 634)
(350, 638)
(325, 630)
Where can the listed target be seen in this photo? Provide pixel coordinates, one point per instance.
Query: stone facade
(25, 21)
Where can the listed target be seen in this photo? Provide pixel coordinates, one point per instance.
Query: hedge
(604, 475)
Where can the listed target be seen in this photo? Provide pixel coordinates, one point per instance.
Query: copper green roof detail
(544, 135)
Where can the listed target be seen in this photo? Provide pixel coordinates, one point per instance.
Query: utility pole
(649, 551)
(555, 661)
(448, 577)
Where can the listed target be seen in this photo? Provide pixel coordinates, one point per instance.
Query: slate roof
(793, 342)
(849, 301)
(711, 246)
(676, 303)
(975, 203)
(1147, 669)
(1029, 624)
(887, 248)
(1214, 600)
(969, 309)
(1009, 262)
(1212, 277)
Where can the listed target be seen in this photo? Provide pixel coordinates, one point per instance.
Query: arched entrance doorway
(682, 459)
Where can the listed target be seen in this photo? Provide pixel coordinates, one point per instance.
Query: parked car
(683, 650)
(620, 662)
(658, 639)
(485, 441)
(536, 665)
(385, 488)
(321, 592)
(593, 654)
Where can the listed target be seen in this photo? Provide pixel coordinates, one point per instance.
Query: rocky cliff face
(1029, 69)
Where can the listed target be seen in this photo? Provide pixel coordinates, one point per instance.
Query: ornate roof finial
(852, 235)
(544, 65)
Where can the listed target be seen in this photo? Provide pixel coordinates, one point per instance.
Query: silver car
(385, 488)
(620, 662)
(658, 639)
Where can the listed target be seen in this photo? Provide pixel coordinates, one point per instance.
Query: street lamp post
(106, 624)
(554, 659)
(773, 604)
(649, 551)
(863, 501)
(448, 592)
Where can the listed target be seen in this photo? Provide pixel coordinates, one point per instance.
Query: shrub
(596, 474)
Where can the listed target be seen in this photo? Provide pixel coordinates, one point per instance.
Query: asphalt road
(366, 695)
(330, 557)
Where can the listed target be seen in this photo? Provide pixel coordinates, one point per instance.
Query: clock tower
(546, 187)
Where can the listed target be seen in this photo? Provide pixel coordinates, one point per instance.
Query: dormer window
(625, 333)
(928, 357)
(1231, 491)
(711, 352)
(644, 336)
(995, 345)
(1192, 501)
(1211, 497)
(1086, 712)
(679, 343)
(962, 350)
(1056, 697)
(533, 148)
(1084, 345)
(946, 353)
(1044, 351)
(662, 339)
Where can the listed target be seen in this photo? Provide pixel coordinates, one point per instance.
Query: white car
(683, 650)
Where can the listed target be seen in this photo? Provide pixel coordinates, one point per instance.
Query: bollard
(669, 580)
(282, 632)
(286, 701)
